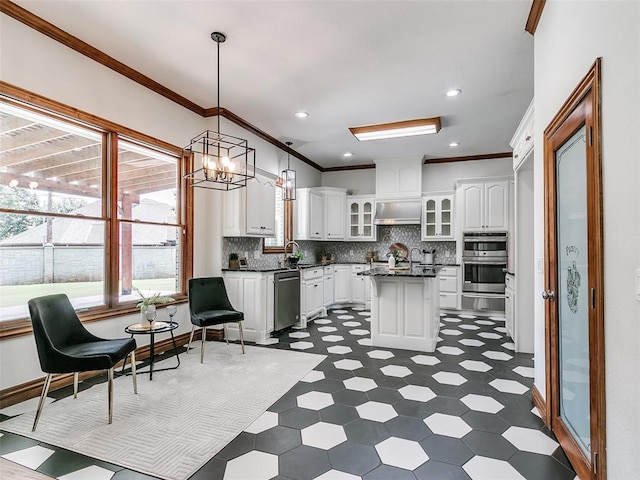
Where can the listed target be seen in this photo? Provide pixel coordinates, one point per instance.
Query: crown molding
(534, 16)
(486, 156)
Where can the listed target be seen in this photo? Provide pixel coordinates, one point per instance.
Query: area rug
(178, 421)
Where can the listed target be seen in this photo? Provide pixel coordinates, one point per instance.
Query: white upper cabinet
(437, 217)
(484, 205)
(334, 204)
(398, 179)
(261, 207)
(318, 214)
(522, 141)
(250, 211)
(360, 212)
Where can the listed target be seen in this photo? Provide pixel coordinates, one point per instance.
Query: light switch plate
(256, 254)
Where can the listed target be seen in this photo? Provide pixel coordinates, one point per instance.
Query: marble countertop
(415, 271)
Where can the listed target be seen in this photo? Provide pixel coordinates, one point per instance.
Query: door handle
(548, 294)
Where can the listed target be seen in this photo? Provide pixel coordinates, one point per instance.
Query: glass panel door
(572, 292)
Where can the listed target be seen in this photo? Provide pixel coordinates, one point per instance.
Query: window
(64, 228)
(284, 225)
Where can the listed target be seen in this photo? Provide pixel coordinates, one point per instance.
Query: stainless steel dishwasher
(287, 299)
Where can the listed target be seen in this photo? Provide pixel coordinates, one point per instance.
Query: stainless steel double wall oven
(484, 265)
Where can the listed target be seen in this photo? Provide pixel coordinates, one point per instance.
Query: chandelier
(220, 161)
(288, 179)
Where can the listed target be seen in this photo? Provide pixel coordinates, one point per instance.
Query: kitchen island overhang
(405, 307)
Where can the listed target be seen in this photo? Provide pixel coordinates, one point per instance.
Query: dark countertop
(416, 271)
(301, 266)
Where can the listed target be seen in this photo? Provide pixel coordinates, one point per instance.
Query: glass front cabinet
(437, 217)
(360, 212)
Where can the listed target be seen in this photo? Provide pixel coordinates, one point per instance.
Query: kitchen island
(405, 307)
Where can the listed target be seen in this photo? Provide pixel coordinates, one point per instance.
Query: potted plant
(147, 304)
(323, 256)
(294, 258)
(234, 261)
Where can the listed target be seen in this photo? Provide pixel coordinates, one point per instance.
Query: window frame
(112, 133)
(288, 230)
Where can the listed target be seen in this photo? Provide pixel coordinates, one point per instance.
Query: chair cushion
(216, 317)
(98, 355)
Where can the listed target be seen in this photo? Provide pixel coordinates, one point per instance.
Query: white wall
(569, 37)
(360, 182)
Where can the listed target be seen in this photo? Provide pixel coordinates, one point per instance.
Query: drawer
(357, 268)
(449, 272)
(449, 284)
(510, 281)
(448, 300)
(328, 269)
(311, 273)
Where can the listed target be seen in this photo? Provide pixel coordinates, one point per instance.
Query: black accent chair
(209, 305)
(65, 346)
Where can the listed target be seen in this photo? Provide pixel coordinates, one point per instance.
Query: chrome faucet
(411, 256)
(290, 242)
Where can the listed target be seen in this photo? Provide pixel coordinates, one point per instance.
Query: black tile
(350, 397)
(125, 474)
(62, 462)
(449, 406)
(489, 445)
(214, 468)
(387, 472)
(354, 458)
(384, 395)
(486, 422)
(243, 443)
(408, 427)
(533, 466)
(278, 440)
(412, 408)
(435, 470)
(10, 442)
(366, 431)
(298, 418)
(304, 463)
(328, 385)
(285, 403)
(338, 414)
(446, 449)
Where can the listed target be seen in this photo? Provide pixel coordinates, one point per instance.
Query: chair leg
(75, 384)
(193, 328)
(110, 393)
(133, 372)
(226, 333)
(43, 396)
(241, 336)
(204, 337)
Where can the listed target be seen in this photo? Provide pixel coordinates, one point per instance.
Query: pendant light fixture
(288, 178)
(220, 161)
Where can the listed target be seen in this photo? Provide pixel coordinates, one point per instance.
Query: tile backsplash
(409, 235)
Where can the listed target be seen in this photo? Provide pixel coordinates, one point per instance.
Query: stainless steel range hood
(398, 212)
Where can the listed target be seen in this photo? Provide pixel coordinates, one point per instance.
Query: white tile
(401, 453)
(352, 324)
(313, 376)
(264, 422)
(482, 403)
(425, 360)
(471, 342)
(365, 341)
(23, 407)
(359, 384)
(93, 472)
(530, 440)
(508, 346)
(255, 465)
(524, 371)
(376, 411)
(336, 475)
(399, 371)
(346, 364)
(417, 393)
(497, 355)
(468, 317)
(314, 400)
(322, 321)
(339, 311)
(301, 345)
(485, 322)
(333, 338)
(497, 319)
(450, 350)
(508, 386)
(469, 327)
(323, 435)
(345, 317)
(484, 468)
(365, 313)
(327, 329)
(299, 334)
(380, 354)
(339, 349)
(535, 411)
(357, 309)
(448, 425)
(31, 457)
(450, 331)
(475, 366)
(359, 332)
(500, 329)
(490, 335)
(449, 378)
(452, 320)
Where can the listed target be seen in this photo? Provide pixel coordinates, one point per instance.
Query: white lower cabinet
(327, 286)
(449, 283)
(509, 305)
(342, 284)
(360, 286)
(311, 293)
(251, 294)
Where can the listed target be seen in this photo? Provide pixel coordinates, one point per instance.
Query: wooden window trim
(112, 133)
(288, 230)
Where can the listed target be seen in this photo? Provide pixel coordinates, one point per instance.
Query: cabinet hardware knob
(527, 138)
(548, 294)
(515, 156)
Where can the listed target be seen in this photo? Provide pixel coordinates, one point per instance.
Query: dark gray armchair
(65, 346)
(208, 306)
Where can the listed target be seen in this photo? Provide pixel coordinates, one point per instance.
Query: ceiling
(347, 63)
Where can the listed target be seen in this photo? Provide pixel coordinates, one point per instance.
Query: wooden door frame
(583, 107)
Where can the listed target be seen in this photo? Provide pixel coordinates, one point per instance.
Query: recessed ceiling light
(301, 114)
(454, 144)
(347, 154)
(454, 92)
(408, 128)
